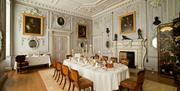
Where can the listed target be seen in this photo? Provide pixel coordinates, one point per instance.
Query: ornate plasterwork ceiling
(85, 8)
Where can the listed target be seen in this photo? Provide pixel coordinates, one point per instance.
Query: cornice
(44, 6)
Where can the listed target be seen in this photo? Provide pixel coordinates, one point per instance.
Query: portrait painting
(32, 25)
(127, 23)
(81, 31)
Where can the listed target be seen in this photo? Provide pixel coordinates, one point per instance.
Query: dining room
(89, 45)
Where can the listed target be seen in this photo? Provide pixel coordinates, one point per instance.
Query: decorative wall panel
(54, 23)
(145, 13)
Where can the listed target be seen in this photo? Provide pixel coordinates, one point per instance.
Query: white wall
(167, 11)
(20, 41)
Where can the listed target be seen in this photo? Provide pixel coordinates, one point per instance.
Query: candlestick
(72, 52)
(99, 52)
(93, 48)
(86, 49)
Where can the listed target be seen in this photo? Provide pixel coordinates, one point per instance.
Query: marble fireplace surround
(136, 46)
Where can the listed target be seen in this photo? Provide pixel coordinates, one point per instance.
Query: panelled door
(60, 46)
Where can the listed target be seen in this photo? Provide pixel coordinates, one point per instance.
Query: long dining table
(104, 79)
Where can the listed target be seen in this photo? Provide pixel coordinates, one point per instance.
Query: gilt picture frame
(127, 23)
(82, 31)
(33, 25)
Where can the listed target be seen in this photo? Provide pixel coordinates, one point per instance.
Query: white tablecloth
(103, 79)
(36, 60)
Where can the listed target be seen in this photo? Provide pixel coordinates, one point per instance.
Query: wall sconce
(107, 42)
(107, 31)
(115, 37)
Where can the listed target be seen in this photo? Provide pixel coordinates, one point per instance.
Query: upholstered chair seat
(79, 82)
(84, 83)
(128, 83)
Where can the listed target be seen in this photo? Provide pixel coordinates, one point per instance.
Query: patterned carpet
(52, 85)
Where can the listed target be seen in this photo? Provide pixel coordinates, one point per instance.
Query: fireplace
(131, 47)
(130, 55)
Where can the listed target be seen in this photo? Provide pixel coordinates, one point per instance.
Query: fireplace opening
(128, 55)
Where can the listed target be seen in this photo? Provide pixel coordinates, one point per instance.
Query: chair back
(105, 58)
(20, 58)
(114, 59)
(140, 79)
(54, 64)
(124, 61)
(59, 66)
(96, 56)
(65, 70)
(68, 56)
(74, 75)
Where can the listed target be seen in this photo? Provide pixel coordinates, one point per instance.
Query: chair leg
(141, 89)
(120, 87)
(73, 88)
(69, 85)
(61, 80)
(54, 72)
(64, 84)
(79, 89)
(92, 88)
(58, 76)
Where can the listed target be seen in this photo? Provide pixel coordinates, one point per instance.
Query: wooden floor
(155, 76)
(24, 82)
(32, 81)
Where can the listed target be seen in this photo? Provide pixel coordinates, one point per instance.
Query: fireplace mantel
(138, 42)
(136, 46)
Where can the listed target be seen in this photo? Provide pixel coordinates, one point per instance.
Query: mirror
(33, 43)
(154, 42)
(82, 44)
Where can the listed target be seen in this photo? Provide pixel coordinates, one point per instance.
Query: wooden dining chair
(22, 65)
(114, 59)
(65, 73)
(59, 70)
(80, 82)
(105, 58)
(68, 56)
(134, 85)
(124, 61)
(54, 65)
(96, 56)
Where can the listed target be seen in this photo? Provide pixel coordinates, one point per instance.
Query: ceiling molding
(89, 3)
(44, 6)
(81, 8)
(113, 7)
